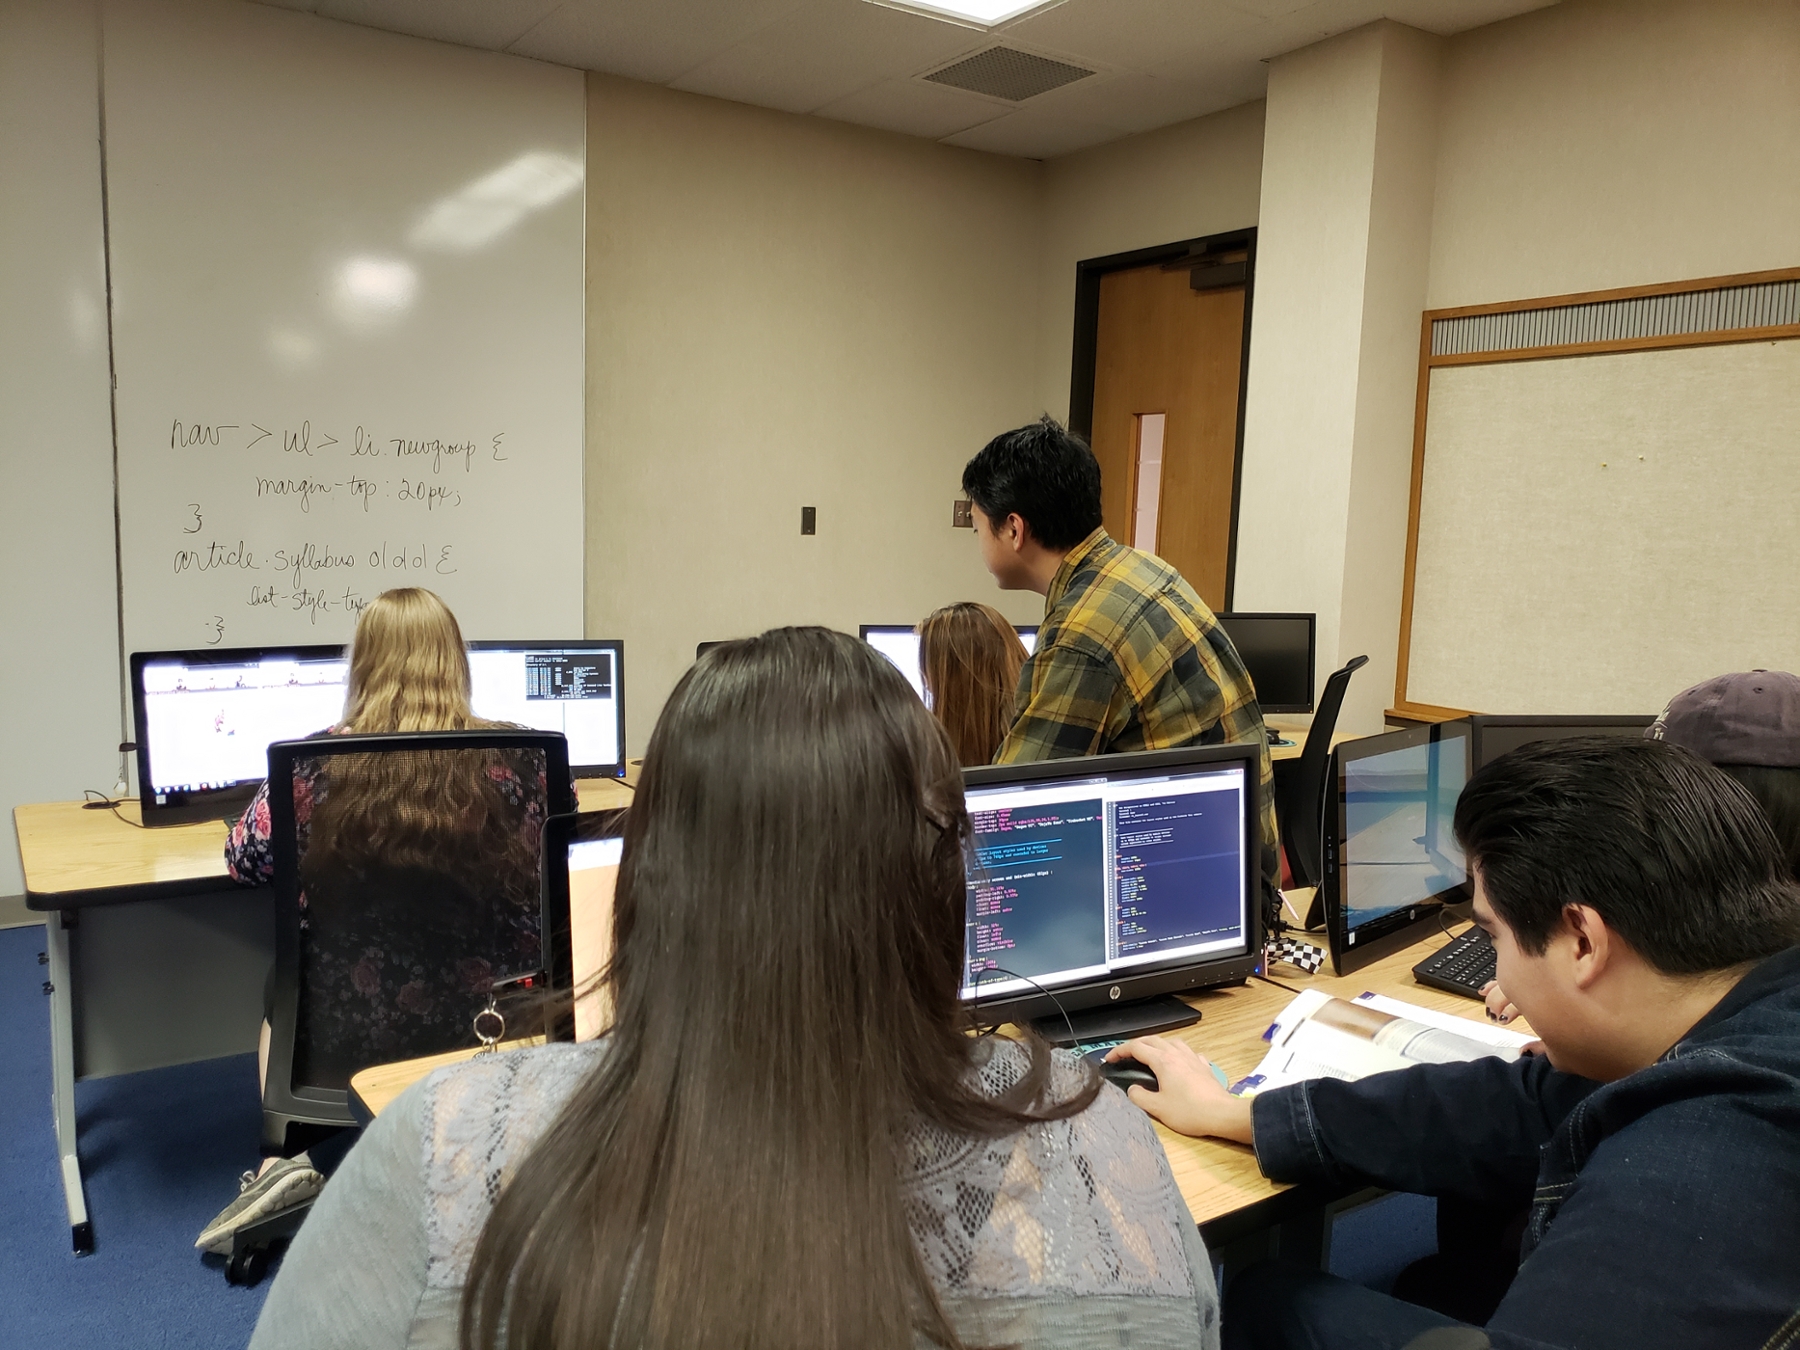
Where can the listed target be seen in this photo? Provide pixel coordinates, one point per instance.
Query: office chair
(1300, 790)
(398, 906)
(408, 885)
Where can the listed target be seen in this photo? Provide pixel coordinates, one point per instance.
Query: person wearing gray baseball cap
(1748, 724)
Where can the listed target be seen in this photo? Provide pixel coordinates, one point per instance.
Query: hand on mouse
(1188, 1098)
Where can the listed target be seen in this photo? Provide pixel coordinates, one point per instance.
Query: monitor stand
(1117, 1021)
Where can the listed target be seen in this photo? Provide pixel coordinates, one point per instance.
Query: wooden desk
(1225, 1191)
(1221, 1180)
(373, 1090)
(74, 857)
(1298, 736)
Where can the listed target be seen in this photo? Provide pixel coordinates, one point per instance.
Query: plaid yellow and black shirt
(1130, 658)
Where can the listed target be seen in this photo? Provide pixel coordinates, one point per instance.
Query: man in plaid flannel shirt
(1128, 657)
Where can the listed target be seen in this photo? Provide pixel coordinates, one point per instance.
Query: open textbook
(1318, 1036)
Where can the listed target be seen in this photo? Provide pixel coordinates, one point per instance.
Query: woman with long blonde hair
(970, 657)
(424, 810)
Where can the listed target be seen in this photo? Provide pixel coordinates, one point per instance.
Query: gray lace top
(1068, 1234)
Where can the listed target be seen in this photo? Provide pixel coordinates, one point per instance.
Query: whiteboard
(1597, 533)
(347, 297)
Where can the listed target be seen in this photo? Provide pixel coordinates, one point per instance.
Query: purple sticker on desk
(1274, 1027)
(1365, 996)
(1248, 1083)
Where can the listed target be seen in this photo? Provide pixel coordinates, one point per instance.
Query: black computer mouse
(1127, 1073)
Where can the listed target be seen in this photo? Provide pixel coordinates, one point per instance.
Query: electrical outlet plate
(962, 515)
(809, 520)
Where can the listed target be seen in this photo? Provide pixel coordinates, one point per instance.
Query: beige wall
(63, 722)
(1181, 182)
(784, 312)
(1618, 142)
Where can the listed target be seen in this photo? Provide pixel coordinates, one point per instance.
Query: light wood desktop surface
(73, 855)
(1216, 1178)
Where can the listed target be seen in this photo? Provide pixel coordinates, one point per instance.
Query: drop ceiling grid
(1160, 61)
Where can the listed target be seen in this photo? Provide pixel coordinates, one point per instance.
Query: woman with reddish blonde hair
(970, 658)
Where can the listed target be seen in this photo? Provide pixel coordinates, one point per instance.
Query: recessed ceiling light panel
(970, 13)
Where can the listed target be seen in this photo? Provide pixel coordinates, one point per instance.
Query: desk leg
(62, 1078)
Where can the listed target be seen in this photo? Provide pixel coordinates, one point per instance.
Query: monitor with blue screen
(1096, 884)
(1391, 859)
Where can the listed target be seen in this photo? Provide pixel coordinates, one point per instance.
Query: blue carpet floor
(161, 1151)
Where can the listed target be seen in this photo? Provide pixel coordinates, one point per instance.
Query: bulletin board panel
(1604, 497)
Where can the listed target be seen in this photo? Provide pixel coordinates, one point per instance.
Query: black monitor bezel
(614, 645)
(224, 802)
(1569, 724)
(559, 832)
(1183, 976)
(1400, 929)
(1225, 619)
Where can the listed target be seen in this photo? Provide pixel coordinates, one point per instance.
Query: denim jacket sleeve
(1466, 1130)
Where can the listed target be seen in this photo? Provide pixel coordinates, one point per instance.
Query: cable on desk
(98, 800)
(975, 1007)
(1277, 983)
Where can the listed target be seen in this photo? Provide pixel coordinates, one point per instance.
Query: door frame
(1087, 347)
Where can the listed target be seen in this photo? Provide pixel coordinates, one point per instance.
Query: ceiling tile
(1436, 17)
(651, 40)
(1034, 133)
(1134, 102)
(828, 50)
(1134, 34)
(915, 108)
(472, 23)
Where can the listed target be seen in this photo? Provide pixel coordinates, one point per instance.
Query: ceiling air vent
(1003, 72)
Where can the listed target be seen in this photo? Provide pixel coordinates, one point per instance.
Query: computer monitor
(582, 853)
(1492, 735)
(1391, 860)
(900, 644)
(1278, 652)
(205, 720)
(1100, 887)
(577, 688)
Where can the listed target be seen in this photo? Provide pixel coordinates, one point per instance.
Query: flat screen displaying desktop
(1098, 884)
(900, 644)
(205, 719)
(1278, 652)
(1391, 858)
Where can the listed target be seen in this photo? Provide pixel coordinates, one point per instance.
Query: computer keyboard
(1461, 967)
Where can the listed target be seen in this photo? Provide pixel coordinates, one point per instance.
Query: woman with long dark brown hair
(970, 657)
(787, 1139)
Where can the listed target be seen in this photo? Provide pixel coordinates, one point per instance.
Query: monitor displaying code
(1074, 881)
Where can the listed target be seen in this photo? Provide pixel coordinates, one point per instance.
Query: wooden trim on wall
(1621, 293)
(1716, 338)
(1412, 510)
(1404, 708)
(1424, 712)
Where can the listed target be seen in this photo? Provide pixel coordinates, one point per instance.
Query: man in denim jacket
(1644, 923)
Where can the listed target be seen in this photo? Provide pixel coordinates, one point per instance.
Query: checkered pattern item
(1295, 952)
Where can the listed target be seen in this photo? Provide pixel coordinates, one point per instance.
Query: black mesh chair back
(1300, 793)
(408, 888)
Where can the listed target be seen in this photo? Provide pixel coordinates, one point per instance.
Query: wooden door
(1163, 347)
